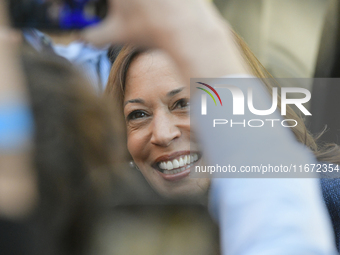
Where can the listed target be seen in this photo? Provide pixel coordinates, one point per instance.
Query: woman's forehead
(150, 62)
(152, 70)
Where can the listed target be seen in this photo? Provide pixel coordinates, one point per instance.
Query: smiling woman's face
(156, 110)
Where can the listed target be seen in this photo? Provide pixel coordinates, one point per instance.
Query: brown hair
(73, 150)
(116, 87)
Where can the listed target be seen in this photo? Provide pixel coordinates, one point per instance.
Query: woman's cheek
(136, 146)
(131, 147)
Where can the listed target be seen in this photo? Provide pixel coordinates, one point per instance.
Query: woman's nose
(164, 130)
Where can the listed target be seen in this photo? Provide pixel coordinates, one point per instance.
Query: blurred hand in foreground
(191, 31)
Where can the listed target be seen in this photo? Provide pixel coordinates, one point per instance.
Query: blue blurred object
(56, 15)
(16, 125)
(331, 193)
(74, 15)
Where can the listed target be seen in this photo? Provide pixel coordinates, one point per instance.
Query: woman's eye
(136, 115)
(182, 103)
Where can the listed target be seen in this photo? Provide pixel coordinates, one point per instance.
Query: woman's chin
(188, 188)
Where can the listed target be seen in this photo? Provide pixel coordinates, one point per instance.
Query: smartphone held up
(56, 15)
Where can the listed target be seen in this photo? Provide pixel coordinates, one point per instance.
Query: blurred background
(285, 35)
(295, 40)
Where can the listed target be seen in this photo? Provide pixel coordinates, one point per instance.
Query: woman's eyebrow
(137, 100)
(174, 92)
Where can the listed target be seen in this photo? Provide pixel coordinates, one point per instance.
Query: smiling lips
(177, 166)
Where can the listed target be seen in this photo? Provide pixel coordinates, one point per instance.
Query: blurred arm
(18, 189)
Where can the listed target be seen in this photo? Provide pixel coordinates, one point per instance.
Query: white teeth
(169, 165)
(175, 163)
(181, 162)
(185, 160)
(175, 171)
